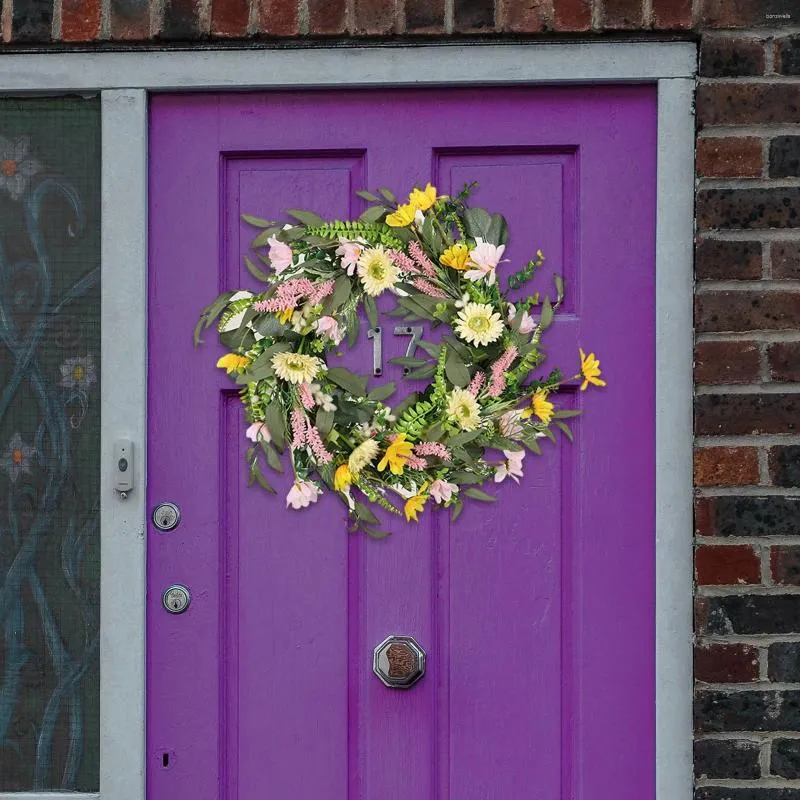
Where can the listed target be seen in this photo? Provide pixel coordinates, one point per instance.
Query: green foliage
(372, 232)
(414, 420)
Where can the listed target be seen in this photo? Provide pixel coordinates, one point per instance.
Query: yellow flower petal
(415, 504)
(396, 455)
(342, 479)
(231, 362)
(422, 199)
(590, 369)
(541, 406)
(401, 218)
(455, 256)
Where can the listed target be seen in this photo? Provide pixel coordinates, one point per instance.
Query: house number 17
(414, 331)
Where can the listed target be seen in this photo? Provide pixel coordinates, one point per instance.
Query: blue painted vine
(49, 482)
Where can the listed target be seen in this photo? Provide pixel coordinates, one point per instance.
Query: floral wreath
(439, 257)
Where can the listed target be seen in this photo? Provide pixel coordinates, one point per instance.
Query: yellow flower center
(376, 270)
(294, 363)
(478, 324)
(16, 456)
(463, 410)
(77, 372)
(9, 168)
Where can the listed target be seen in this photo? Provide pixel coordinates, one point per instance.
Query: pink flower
(484, 257)
(477, 381)
(314, 441)
(302, 494)
(526, 325)
(258, 432)
(436, 449)
(279, 254)
(328, 326)
(298, 428)
(499, 369)
(441, 491)
(511, 467)
(349, 252)
(306, 395)
(510, 424)
(418, 254)
(426, 287)
(415, 462)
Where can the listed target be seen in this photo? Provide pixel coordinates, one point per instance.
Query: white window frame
(124, 81)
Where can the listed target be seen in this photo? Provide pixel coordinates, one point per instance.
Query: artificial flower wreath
(439, 257)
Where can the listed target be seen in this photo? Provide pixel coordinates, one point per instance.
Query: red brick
(526, 16)
(278, 17)
(726, 362)
(704, 517)
(130, 20)
(616, 14)
(784, 361)
(80, 20)
(785, 257)
(727, 565)
(573, 15)
(327, 16)
(230, 17)
(746, 13)
(425, 16)
(715, 259)
(725, 663)
(374, 16)
(731, 57)
(746, 311)
(729, 158)
(784, 564)
(748, 209)
(672, 15)
(725, 466)
(745, 414)
(748, 103)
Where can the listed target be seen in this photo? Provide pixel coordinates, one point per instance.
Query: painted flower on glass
(16, 166)
(78, 373)
(18, 458)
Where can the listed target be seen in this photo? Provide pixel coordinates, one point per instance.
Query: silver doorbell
(123, 466)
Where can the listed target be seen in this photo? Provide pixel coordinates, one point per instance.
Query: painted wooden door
(536, 613)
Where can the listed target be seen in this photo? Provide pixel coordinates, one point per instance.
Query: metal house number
(414, 331)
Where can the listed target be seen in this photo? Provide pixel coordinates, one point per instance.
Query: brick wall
(747, 364)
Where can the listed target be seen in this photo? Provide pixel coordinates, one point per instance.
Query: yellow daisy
(230, 362)
(401, 218)
(422, 199)
(463, 408)
(479, 324)
(295, 367)
(376, 270)
(540, 406)
(415, 504)
(343, 478)
(362, 456)
(396, 455)
(455, 256)
(590, 369)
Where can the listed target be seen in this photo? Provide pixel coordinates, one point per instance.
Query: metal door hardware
(166, 516)
(176, 598)
(399, 662)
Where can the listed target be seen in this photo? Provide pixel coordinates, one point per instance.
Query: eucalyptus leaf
(497, 232)
(262, 239)
(502, 443)
(273, 459)
(256, 222)
(341, 293)
(373, 214)
(368, 196)
(308, 218)
(353, 327)
(276, 424)
(456, 370)
(463, 437)
(566, 431)
(430, 348)
(422, 372)
(434, 433)
(458, 507)
(388, 195)
(408, 361)
(255, 271)
(565, 413)
(269, 327)
(371, 310)
(479, 494)
(477, 222)
(364, 513)
(324, 422)
(458, 347)
(547, 314)
(559, 283)
(255, 472)
(463, 478)
(533, 445)
(381, 393)
(356, 385)
(375, 533)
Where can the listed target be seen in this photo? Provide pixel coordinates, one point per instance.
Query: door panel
(537, 612)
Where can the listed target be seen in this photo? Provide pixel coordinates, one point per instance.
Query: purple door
(537, 612)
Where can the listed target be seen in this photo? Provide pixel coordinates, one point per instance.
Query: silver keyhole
(166, 516)
(176, 599)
